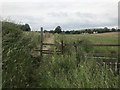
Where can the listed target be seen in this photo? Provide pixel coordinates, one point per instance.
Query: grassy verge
(18, 70)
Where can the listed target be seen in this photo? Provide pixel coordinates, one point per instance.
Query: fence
(116, 65)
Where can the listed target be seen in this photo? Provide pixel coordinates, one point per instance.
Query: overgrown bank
(18, 69)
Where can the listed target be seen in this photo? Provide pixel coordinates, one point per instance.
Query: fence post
(118, 68)
(75, 48)
(118, 63)
(41, 43)
(62, 46)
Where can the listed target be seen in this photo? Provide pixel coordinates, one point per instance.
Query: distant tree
(67, 32)
(113, 29)
(89, 31)
(51, 31)
(106, 30)
(45, 31)
(58, 29)
(25, 27)
(118, 30)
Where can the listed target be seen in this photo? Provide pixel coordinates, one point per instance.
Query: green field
(106, 38)
(23, 67)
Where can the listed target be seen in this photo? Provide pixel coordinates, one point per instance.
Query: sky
(69, 14)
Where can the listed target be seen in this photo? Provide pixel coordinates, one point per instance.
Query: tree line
(59, 30)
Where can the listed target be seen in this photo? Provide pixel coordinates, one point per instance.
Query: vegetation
(25, 27)
(106, 38)
(22, 66)
(65, 72)
(84, 31)
(17, 61)
(74, 70)
(58, 29)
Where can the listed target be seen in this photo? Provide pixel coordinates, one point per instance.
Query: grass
(74, 70)
(21, 67)
(111, 38)
(17, 59)
(66, 72)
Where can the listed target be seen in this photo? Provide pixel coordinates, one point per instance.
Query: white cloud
(49, 13)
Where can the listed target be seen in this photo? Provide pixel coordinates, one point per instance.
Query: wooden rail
(62, 45)
(113, 67)
(51, 44)
(110, 45)
(103, 54)
(51, 52)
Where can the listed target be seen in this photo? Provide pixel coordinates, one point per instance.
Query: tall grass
(74, 70)
(18, 70)
(67, 72)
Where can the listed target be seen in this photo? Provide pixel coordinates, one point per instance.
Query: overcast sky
(69, 14)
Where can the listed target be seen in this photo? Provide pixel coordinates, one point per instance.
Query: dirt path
(49, 38)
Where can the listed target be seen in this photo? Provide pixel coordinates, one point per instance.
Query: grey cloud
(58, 14)
(79, 25)
(89, 15)
(70, 14)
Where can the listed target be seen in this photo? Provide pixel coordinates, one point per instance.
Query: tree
(45, 31)
(106, 29)
(118, 30)
(67, 32)
(58, 29)
(51, 31)
(113, 29)
(25, 27)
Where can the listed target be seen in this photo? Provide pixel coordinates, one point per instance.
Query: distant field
(105, 38)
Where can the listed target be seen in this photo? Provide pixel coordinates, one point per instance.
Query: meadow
(23, 67)
(105, 38)
(75, 70)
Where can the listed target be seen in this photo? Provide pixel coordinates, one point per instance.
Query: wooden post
(41, 43)
(118, 62)
(75, 48)
(115, 66)
(62, 46)
(118, 68)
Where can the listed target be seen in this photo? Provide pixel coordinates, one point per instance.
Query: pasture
(105, 38)
(73, 69)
